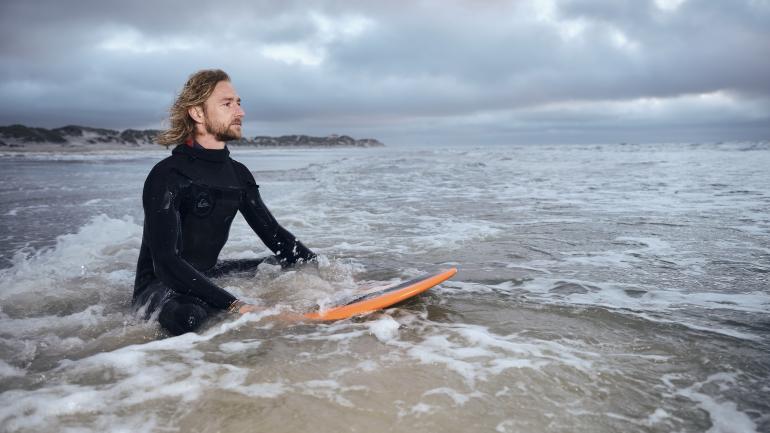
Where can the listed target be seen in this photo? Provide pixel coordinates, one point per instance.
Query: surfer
(190, 199)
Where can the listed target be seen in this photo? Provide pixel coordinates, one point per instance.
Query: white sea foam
(444, 233)
(422, 409)
(239, 346)
(7, 370)
(458, 398)
(653, 299)
(133, 375)
(330, 390)
(657, 416)
(633, 299)
(477, 354)
(261, 390)
(385, 328)
(26, 209)
(97, 245)
(723, 413)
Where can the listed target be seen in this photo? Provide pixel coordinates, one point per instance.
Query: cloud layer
(469, 72)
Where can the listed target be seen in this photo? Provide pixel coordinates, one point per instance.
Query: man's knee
(179, 318)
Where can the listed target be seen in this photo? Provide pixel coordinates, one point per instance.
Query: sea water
(601, 288)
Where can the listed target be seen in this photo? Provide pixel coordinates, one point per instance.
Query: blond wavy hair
(195, 92)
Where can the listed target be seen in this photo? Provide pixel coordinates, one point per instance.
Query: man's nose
(240, 112)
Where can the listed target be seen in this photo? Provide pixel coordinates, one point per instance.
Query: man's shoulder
(238, 165)
(167, 166)
(242, 171)
(164, 165)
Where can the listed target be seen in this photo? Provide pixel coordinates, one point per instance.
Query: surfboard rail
(383, 298)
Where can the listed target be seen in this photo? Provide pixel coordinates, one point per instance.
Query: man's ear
(196, 113)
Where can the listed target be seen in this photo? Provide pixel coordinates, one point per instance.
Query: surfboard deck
(380, 298)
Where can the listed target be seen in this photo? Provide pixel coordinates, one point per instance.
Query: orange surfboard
(381, 297)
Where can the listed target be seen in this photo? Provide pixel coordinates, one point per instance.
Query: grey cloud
(422, 68)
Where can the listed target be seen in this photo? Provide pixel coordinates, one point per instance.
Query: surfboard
(379, 298)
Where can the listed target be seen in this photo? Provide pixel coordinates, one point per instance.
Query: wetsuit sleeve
(163, 232)
(280, 241)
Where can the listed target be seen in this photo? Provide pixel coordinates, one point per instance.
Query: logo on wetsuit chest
(204, 204)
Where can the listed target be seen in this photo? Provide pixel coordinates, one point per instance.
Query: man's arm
(163, 232)
(288, 248)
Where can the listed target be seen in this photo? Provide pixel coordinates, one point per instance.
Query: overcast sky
(454, 72)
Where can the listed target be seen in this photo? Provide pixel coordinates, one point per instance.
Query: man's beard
(221, 131)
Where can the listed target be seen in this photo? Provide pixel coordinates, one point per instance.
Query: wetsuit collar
(200, 152)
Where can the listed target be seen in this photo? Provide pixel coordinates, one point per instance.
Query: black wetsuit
(190, 200)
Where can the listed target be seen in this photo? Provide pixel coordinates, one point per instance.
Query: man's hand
(241, 307)
(249, 308)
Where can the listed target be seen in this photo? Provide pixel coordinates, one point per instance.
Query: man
(190, 200)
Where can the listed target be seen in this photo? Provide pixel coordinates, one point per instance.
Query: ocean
(601, 288)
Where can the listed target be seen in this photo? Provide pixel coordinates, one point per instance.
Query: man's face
(223, 112)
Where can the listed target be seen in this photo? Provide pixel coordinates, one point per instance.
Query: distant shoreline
(74, 139)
